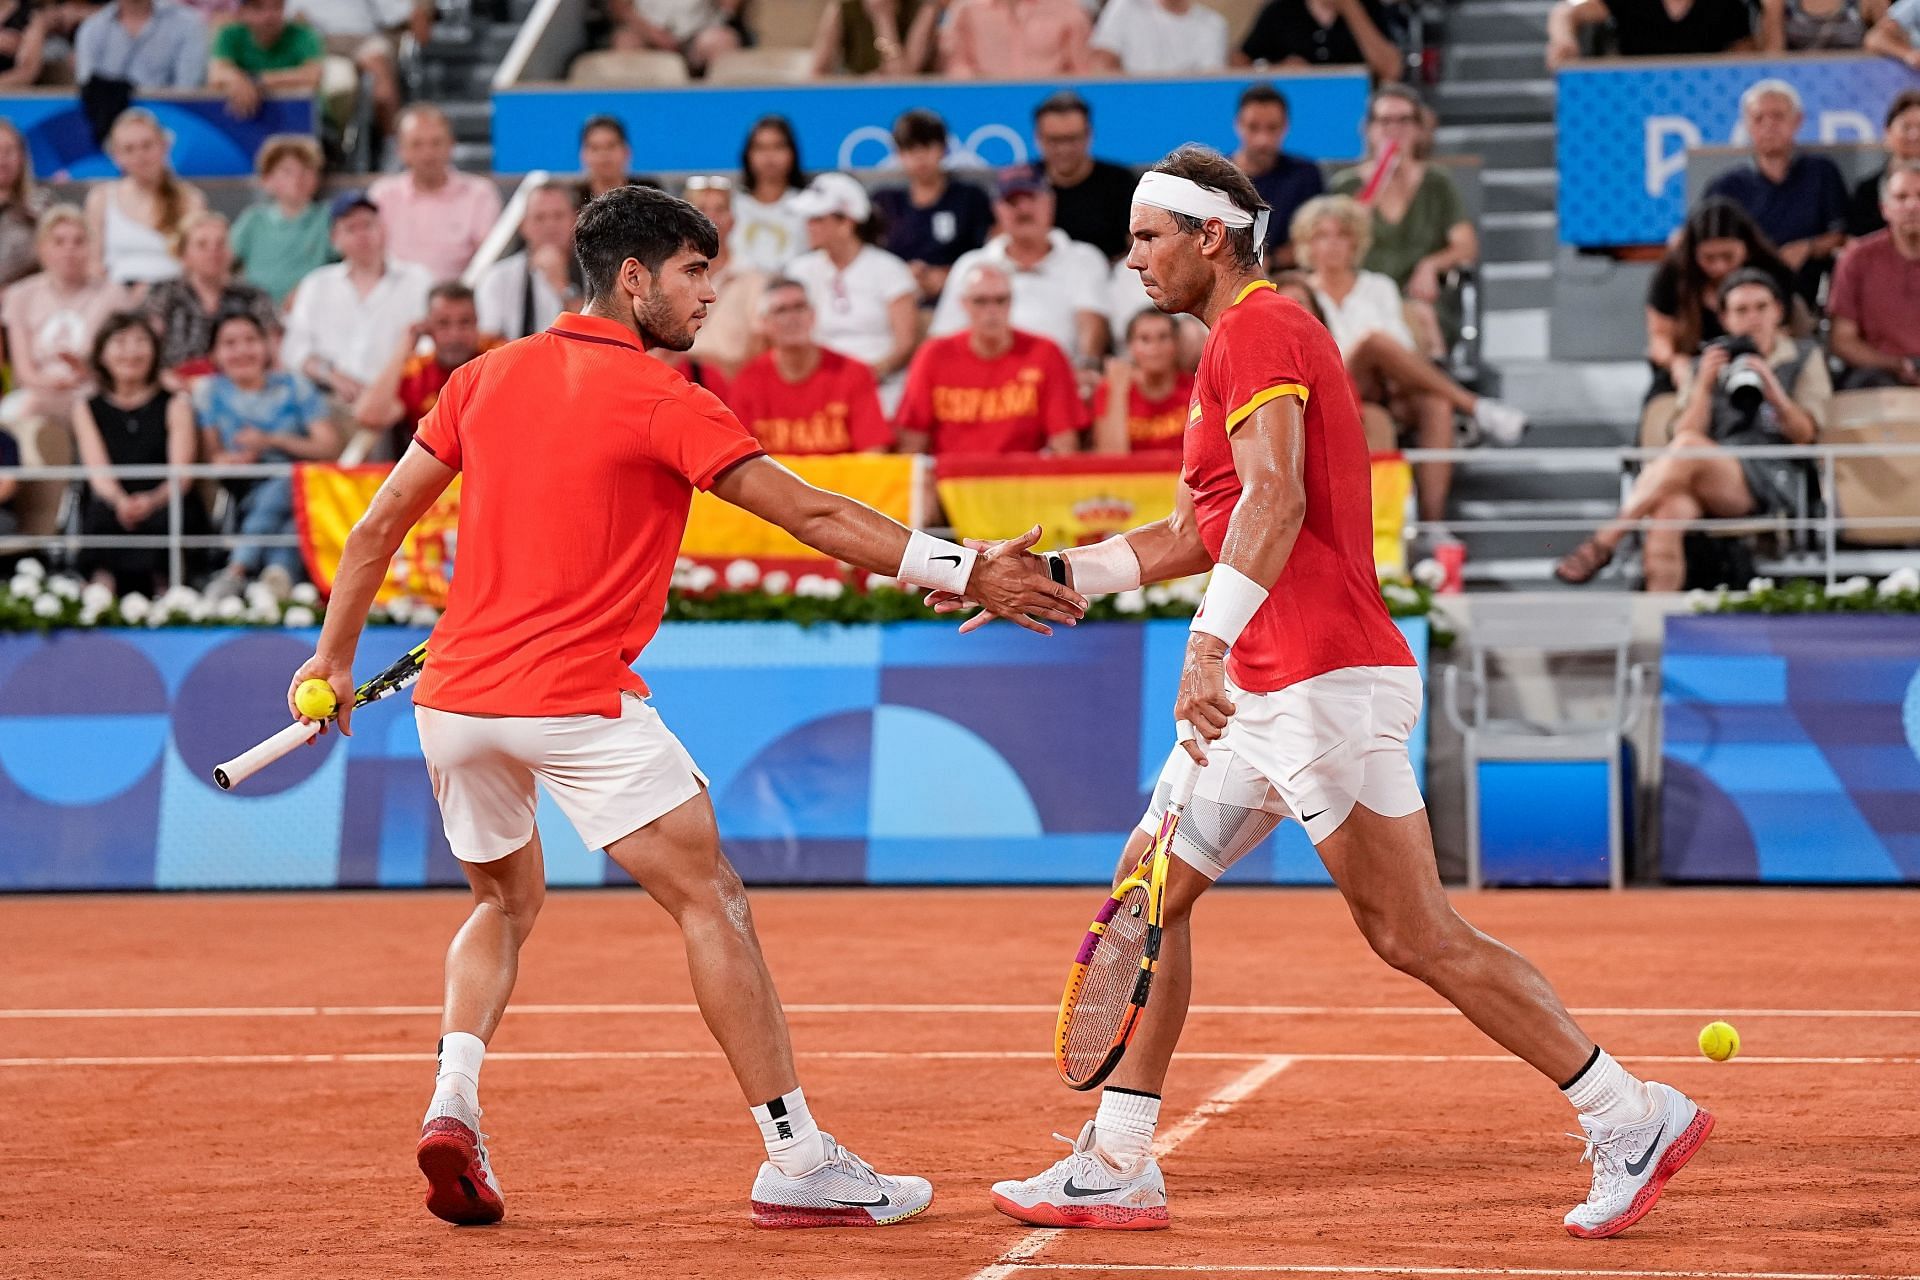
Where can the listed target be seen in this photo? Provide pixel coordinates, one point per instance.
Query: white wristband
(1105, 567)
(1231, 601)
(929, 562)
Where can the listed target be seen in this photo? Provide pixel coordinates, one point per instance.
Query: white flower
(681, 564)
(1159, 594)
(702, 577)
(1400, 594)
(48, 606)
(1429, 574)
(1699, 601)
(264, 614)
(1188, 590)
(1134, 601)
(881, 582)
(134, 606)
(24, 586)
(64, 586)
(97, 596)
(259, 593)
(421, 615)
(742, 574)
(1858, 585)
(304, 593)
(298, 616)
(818, 587)
(200, 610)
(30, 568)
(776, 583)
(1900, 582)
(90, 616)
(230, 608)
(1757, 585)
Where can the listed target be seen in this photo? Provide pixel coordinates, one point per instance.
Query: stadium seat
(617, 68)
(1876, 487)
(1239, 15)
(785, 24)
(44, 442)
(761, 66)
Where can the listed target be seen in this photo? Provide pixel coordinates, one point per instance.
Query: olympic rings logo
(991, 146)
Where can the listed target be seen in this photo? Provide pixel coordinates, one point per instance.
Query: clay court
(231, 1086)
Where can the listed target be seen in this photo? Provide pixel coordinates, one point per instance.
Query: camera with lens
(1740, 381)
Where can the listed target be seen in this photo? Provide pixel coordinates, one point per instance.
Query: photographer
(1755, 386)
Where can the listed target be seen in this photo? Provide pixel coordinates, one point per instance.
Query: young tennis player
(1305, 693)
(580, 453)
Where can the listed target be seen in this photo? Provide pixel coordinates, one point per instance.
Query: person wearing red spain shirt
(410, 384)
(1142, 405)
(990, 388)
(800, 397)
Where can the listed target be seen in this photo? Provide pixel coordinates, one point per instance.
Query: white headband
(1183, 195)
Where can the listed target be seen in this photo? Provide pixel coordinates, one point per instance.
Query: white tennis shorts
(610, 777)
(1310, 752)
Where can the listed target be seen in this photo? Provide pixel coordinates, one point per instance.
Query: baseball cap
(347, 201)
(834, 193)
(1021, 180)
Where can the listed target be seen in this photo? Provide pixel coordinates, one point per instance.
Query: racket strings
(1106, 993)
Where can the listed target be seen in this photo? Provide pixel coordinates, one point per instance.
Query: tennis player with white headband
(1305, 693)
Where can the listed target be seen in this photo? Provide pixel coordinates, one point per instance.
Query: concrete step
(1498, 21)
(1515, 336)
(1491, 101)
(1601, 398)
(1528, 145)
(1515, 286)
(1520, 190)
(486, 42)
(1496, 60)
(1518, 237)
(473, 157)
(472, 120)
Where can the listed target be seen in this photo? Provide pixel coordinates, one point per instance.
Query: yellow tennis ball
(1719, 1041)
(315, 699)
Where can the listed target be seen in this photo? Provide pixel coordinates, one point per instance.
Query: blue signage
(1625, 125)
(207, 141)
(850, 126)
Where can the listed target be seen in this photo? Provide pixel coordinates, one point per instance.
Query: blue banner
(850, 125)
(1625, 125)
(207, 142)
(898, 754)
(1792, 749)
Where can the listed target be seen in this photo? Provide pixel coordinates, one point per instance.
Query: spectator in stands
(435, 215)
(606, 158)
(1284, 181)
(767, 233)
(1786, 407)
(24, 27)
(261, 54)
(864, 298)
(731, 334)
(698, 30)
(1141, 405)
(9, 487)
(990, 388)
(1091, 198)
(348, 317)
(183, 309)
(1159, 38)
(1799, 200)
(933, 219)
(885, 37)
(367, 31)
(799, 397)
(410, 385)
(1683, 298)
(1322, 33)
(250, 412)
(1903, 147)
(1420, 225)
(133, 219)
(1059, 284)
(1816, 24)
(1015, 39)
(51, 319)
(524, 292)
(278, 241)
(21, 204)
(130, 420)
(1897, 34)
(1126, 298)
(1876, 291)
(143, 45)
(1651, 28)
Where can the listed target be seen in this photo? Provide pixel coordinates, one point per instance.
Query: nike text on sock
(1123, 1129)
(794, 1144)
(460, 1056)
(1608, 1093)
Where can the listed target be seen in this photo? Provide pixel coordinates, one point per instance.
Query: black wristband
(1056, 567)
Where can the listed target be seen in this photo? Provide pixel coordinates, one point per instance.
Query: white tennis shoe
(1083, 1190)
(1632, 1163)
(843, 1192)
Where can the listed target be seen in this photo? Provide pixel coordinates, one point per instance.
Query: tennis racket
(386, 684)
(1113, 972)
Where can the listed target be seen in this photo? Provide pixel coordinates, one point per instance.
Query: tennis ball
(315, 699)
(1719, 1041)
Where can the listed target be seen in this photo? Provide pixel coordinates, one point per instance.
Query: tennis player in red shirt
(1304, 694)
(800, 397)
(580, 454)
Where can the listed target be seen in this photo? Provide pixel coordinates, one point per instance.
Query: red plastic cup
(1452, 559)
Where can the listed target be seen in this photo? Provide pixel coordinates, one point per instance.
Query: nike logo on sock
(881, 1203)
(1079, 1192)
(1637, 1167)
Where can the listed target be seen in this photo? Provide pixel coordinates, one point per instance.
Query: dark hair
(1209, 168)
(227, 315)
(796, 177)
(603, 121)
(641, 223)
(561, 187)
(1903, 102)
(1145, 313)
(1715, 218)
(919, 127)
(1304, 283)
(1257, 94)
(1745, 276)
(449, 291)
(117, 323)
(1065, 102)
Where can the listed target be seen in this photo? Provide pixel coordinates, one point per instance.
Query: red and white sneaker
(844, 1191)
(1632, 1163)
(1083, 1190)
(461, 1187)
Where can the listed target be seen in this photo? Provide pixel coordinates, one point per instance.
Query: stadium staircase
(455, 71)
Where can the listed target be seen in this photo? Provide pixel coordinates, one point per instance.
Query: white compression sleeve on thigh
(1105, 567)
(930, 562)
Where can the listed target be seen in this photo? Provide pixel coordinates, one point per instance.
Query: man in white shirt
(1159, 38)
(522, 293)
(1059, 284)
(348, 318)
(364, 31)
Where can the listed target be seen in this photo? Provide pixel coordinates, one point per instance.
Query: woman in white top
(865, 298)
(134, 218)
(767, 233)
(1366, 315)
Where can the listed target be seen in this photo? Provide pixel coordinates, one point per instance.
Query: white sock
(460, 1058)
(794, 1144)
(1608, 1093)
(1123, 1129)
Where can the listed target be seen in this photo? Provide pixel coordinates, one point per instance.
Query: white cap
(834, 193)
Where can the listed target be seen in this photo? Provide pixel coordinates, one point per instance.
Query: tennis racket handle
(1186, 776)
(247, 763)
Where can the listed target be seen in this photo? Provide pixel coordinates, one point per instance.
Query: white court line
(1211, 1010)
(1223, 1100)
(1305, 1270)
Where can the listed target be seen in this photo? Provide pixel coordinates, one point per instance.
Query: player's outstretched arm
(1015, 587)
(411, 488)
